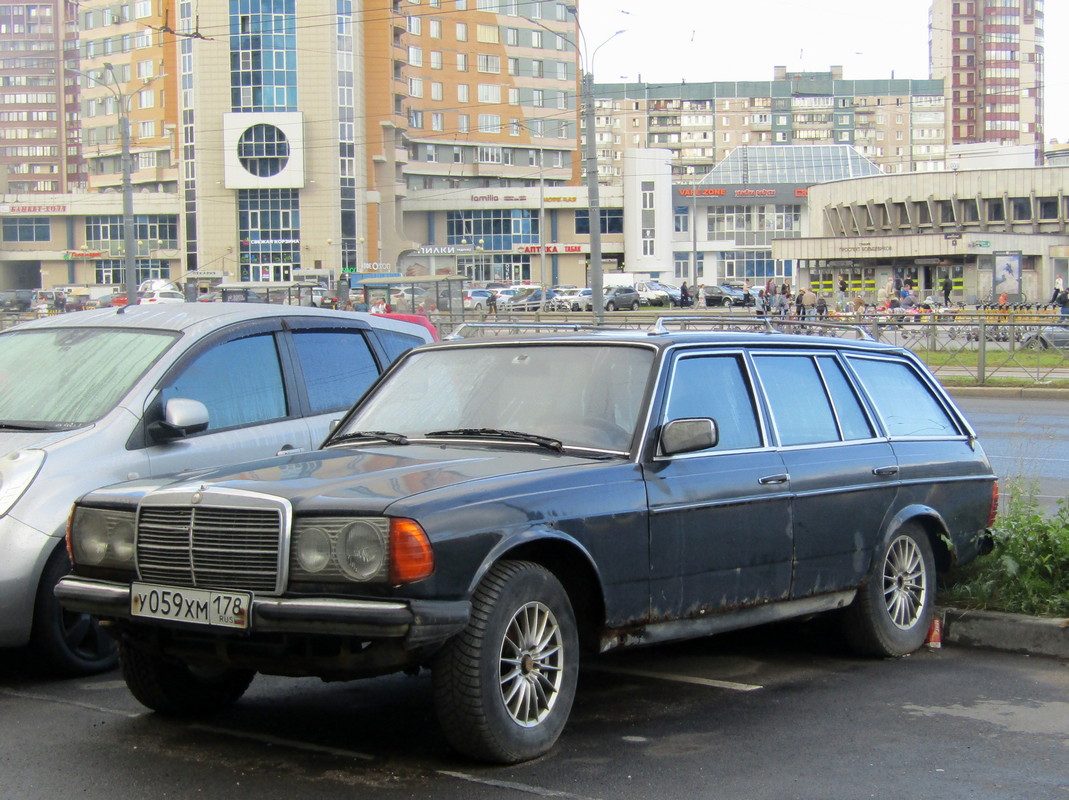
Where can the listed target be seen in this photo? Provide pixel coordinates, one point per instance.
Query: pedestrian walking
(948, 287)
(684, 296)
(840, 295)
(1059, 285)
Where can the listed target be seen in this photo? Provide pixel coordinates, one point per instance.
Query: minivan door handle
(774, 479)
(892, 470)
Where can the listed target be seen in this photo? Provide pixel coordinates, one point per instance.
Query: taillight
(994, 505)
(411, 554)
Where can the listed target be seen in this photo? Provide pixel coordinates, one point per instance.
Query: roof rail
(468, 330)
(767, 324)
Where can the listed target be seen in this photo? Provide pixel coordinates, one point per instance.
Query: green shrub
(1027, 572)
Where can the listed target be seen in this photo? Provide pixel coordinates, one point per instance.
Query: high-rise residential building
(989, 54)
(469, 94)
(39, 120)
(898, 124)
(127, 72)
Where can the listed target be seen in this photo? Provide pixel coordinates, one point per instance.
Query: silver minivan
(102, 396)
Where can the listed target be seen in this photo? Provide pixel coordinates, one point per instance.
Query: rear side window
(797, 398)
(853, 422)
(240, 382)
(902, 399)
(338, 367)
(397, 344)
(715, 387)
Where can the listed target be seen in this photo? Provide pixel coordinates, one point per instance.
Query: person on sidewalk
(1059, 285)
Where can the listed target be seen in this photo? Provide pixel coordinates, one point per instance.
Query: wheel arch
(934, 527)
(572, 565)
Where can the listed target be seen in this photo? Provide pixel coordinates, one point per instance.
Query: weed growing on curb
(1027, 572)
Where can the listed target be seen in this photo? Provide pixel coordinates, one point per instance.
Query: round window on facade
(264, 150)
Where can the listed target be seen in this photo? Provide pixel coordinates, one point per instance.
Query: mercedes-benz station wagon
(494, 508)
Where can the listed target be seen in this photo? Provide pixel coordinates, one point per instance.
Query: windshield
(581, 395)
(68, 377)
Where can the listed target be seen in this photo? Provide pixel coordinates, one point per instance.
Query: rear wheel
(893, 609)
(634, 306)
(67, 643)
(503, 687)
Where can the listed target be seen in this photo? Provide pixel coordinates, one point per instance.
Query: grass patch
(1008, 383)
(1028, 571)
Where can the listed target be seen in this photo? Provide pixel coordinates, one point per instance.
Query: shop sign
(552, 248)
(21, 208)
(73, 254)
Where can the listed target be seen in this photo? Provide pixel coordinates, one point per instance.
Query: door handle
(892, 470)
(769, 480)
(289, 450)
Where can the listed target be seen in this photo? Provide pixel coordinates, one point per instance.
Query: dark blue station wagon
(493, 508)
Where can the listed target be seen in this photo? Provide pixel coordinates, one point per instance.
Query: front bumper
(414, 622)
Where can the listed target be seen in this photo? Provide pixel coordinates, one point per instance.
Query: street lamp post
(123, 99)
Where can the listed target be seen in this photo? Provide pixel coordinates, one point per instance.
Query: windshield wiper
(17, 426)
(385, 436)
(496, 433)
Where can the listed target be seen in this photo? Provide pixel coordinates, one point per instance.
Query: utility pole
(597, 283)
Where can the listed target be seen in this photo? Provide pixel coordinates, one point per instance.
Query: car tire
(893, 609)
(575, 306)
(503, 687)
(610, 306)
(480, 308)
(67, 643)
(634, 306)
(1037, 343)
(170, 687)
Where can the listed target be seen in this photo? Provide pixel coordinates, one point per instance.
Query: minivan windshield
(68, 377)
(587, 396)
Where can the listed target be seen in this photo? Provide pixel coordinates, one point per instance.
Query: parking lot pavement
(778, 712)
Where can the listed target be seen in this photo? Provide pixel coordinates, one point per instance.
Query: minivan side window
(716, 387)
(240, 382)
(785, 380)
(338, 367)
(906, 405)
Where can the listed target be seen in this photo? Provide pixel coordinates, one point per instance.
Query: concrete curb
(1013, 633)
(1012, 392)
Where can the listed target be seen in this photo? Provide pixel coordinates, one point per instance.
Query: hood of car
(365, 479)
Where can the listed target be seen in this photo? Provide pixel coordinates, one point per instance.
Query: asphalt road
(777, 713)
(1027, 441)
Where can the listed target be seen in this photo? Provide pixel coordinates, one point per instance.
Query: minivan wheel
(67, 643)
(503, 687)
(176, 689)
(893, 609)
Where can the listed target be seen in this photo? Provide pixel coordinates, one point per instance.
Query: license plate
(196, 606)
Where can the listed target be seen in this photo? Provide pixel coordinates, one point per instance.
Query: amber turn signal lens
(411, 554)
(994, 505)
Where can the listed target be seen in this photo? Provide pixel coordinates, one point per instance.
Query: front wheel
(610, 306)
(176, 689)
(503, 687)
(67, 643)
(893, 609)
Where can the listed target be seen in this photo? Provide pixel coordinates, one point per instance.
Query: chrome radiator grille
(210, 547)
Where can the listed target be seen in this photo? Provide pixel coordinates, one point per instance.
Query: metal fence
(976, 345)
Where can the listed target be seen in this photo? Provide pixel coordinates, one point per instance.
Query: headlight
(363, 550)
(102, 537)
(17, 471)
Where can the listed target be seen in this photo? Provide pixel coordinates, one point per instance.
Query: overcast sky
(710, 40)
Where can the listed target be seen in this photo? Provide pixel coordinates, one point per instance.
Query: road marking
(62, 701)
(519, 787)
(667, 676)
(266, 738)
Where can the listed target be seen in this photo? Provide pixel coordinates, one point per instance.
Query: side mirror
(181, 417)
(688, 436)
